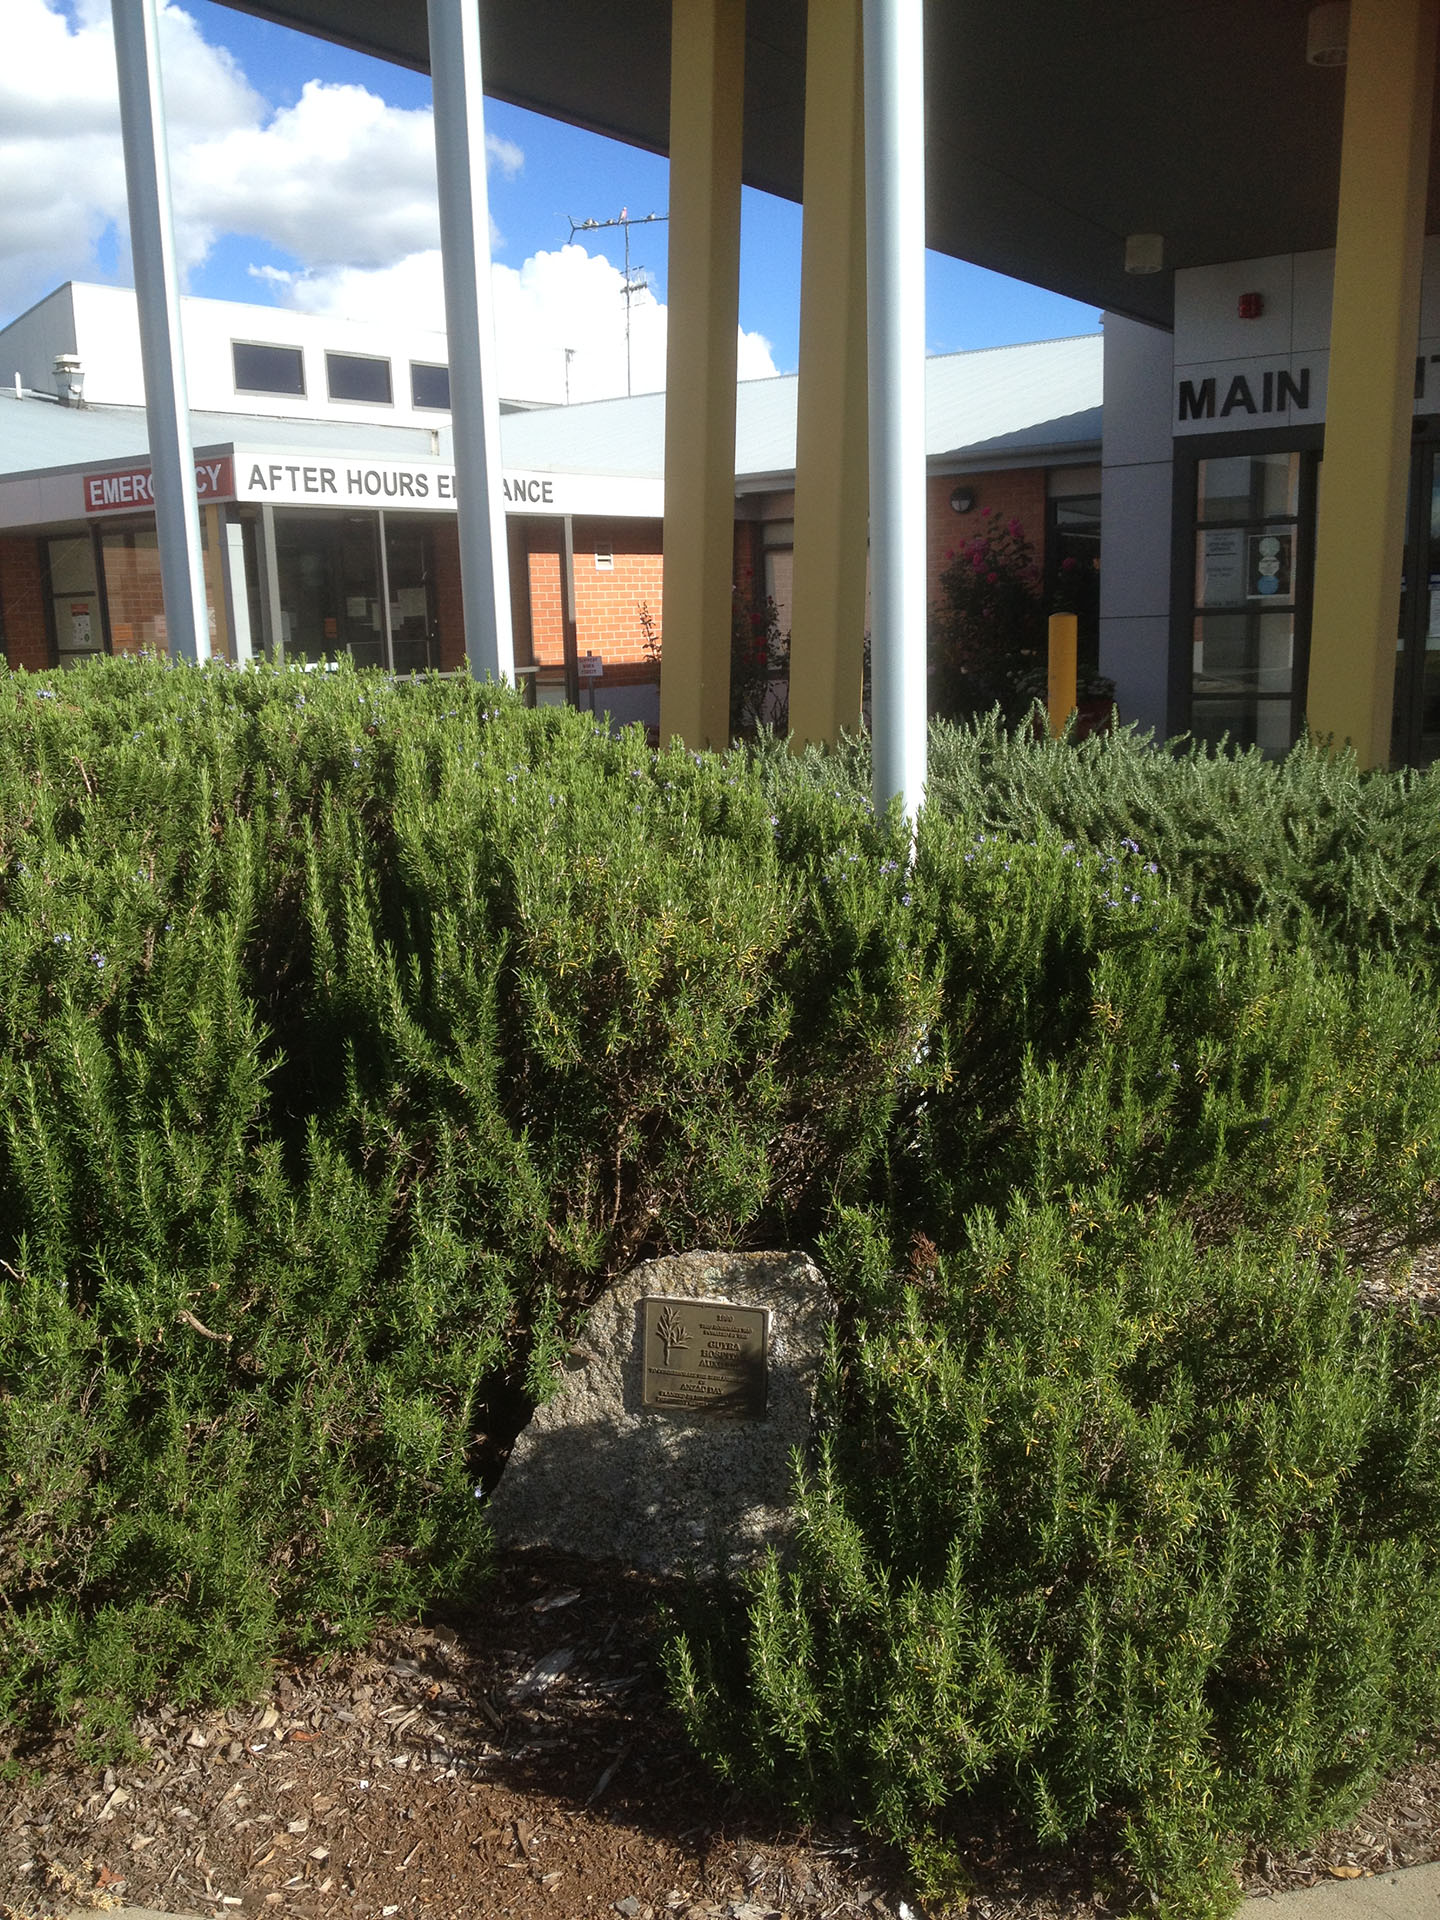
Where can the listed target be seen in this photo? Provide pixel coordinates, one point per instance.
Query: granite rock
(597, 1474)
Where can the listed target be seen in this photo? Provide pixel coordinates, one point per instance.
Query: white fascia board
(782, 480)
(428, 486)
(36, 500)
(1071, 454)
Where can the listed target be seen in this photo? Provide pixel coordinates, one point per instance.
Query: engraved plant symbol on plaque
(670, 1329)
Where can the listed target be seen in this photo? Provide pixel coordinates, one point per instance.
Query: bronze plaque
(704, 1356)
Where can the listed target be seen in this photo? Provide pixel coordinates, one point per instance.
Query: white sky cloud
(61, 178)
(340, 181)
(340, 176)
(568, 298)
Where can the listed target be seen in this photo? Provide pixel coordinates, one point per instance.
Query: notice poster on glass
(1222, 568)
(1269, 566)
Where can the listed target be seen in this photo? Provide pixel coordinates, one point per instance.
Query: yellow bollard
(1061, 691)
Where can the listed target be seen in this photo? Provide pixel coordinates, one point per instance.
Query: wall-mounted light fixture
(1144, 252)
(1327, 34)
(962, 500)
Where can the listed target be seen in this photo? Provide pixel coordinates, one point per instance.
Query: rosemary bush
(1108, 1535)
(1310, 846)
(352, 1034)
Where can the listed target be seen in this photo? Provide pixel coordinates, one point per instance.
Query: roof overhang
(1053, 129)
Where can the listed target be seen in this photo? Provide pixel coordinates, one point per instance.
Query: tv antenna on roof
(635, 279)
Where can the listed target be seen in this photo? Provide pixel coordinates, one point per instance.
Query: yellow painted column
(832, 488)
(1375, 317)
(707, 88)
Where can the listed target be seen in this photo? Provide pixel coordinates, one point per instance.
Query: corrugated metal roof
(1000, 394)
(1044, 394)
(624, 435)
(994, 400)
(36, 435)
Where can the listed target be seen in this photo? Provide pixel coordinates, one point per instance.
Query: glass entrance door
(1415, 741)
(329, 576)
(1249, 571)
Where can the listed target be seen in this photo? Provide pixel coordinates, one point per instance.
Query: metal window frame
(334, 354)
(430, 366)
(272, 346)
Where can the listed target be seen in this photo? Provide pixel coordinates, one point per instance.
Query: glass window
(74, 603)
(1074, 566)
(355, 376)
(1244, 723)
(429, 386)
(134, 597)
(1251, 486)
(777, 541)
(1244, 653)
(780, 583)
(261, 369)
(72, 564)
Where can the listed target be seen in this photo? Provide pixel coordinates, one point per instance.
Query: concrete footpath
(1410, 1894)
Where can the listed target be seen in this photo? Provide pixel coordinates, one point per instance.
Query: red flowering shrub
(987, 629)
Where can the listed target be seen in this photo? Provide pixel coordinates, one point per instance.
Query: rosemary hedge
(1349, 862)
(352, 1033)
(1130, 1542)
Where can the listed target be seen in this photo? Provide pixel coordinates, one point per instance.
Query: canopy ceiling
(1054, 127)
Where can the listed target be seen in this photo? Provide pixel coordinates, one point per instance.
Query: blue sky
(265, 123)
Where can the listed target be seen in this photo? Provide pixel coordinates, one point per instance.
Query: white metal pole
(237, 598)
(162, 356)
(895, 304)
(455, 76)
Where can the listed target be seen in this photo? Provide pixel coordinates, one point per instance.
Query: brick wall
(608, 599)
(547, 628)
(1016, 495)
(449, 602)
(22, 604)
(748, 572)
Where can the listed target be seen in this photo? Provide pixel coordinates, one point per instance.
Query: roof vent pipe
(69, 379)
(1327, 34)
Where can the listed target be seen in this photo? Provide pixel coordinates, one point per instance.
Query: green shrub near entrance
(1348, 862)
(353, 1033)
(1118, 1536)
